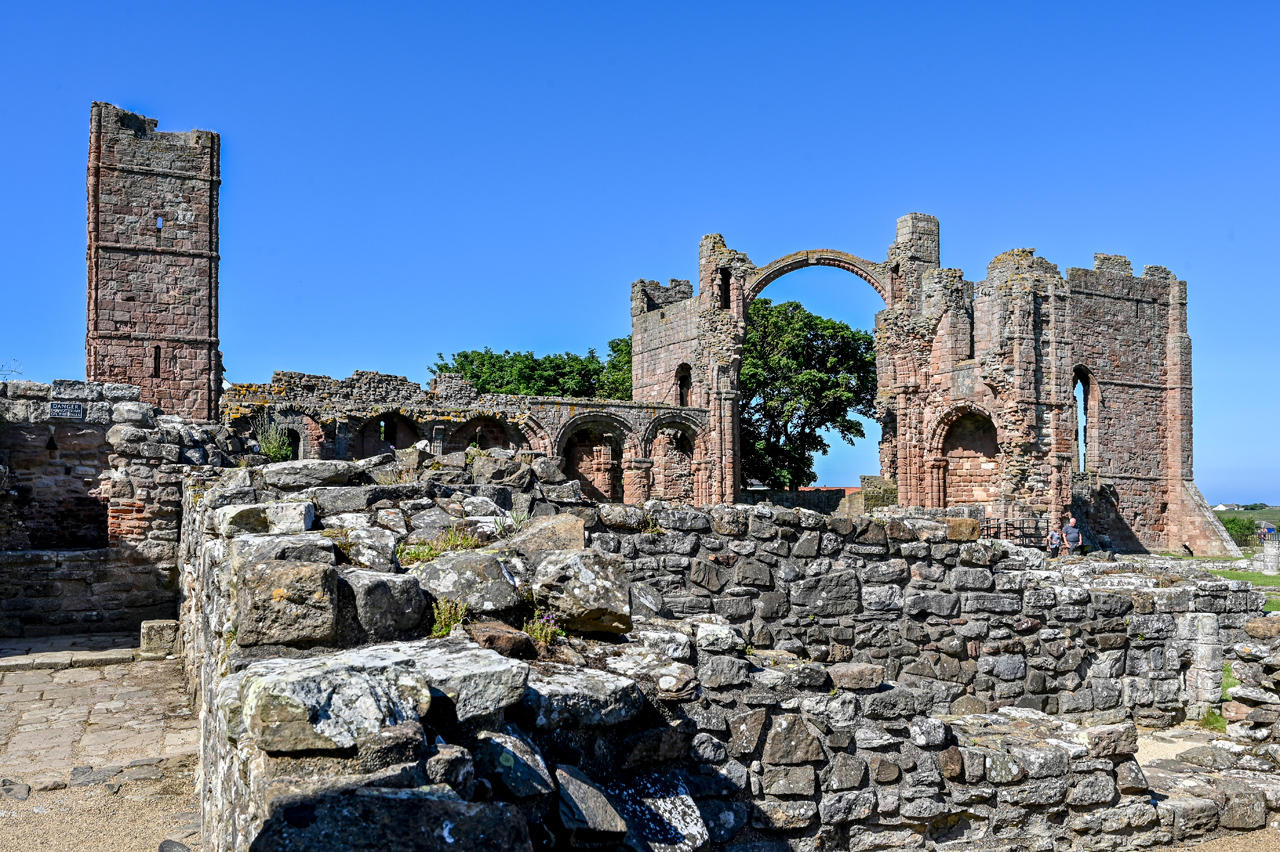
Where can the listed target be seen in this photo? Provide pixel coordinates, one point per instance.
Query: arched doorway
(1084, 392)
(971, 461)
(794, 340)
(485, 433)
(592, 454)
(384, 433)
(295, 443)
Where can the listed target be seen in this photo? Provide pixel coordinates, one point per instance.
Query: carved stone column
(637, 480)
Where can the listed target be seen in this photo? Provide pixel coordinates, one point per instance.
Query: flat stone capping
(74, 659)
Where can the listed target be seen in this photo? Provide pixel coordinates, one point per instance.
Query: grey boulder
(588, 591)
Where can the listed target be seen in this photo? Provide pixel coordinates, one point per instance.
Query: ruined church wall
(664, 335)
(616, 441)
(89, 519)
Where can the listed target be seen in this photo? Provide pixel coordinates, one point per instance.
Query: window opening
(155, 362)
(684, 383)
(724, 289)
(1082, 423)
(159, 222)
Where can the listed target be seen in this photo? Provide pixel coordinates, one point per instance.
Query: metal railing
(1025, 532)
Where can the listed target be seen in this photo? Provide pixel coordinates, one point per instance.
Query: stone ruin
(646, 663)
(736, 677)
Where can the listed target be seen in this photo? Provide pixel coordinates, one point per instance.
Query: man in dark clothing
(1072, 534)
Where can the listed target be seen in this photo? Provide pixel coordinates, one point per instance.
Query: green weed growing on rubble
(543, 627)
(1212, 720)
(445, 615)
(273, 441)
(1229, 679)
(451, 539)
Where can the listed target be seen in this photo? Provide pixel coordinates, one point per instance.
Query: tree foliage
(801, 375)
(562, 374)
(1242, 529)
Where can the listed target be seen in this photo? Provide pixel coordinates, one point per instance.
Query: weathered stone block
(286, 603)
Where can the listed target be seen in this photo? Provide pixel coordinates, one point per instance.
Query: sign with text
(67, 410)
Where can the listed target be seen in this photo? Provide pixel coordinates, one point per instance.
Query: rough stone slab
(327, 702)
(563, 695)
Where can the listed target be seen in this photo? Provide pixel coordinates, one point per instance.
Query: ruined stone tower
(153, 261)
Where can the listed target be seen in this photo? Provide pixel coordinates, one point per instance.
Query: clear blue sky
(434, 177)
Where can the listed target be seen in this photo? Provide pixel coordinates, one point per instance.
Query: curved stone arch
(535, 434)
(1089, 374)
(630, 441)
(860, 267)
(481, 427)
(363, 445)
(942, 423)
(671, 418)
(314, 440)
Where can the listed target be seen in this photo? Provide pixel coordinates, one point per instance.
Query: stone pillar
(725, 425)
(1270, 556)
(637, 480)
(602, 469)
(936, 483)
(703, 471)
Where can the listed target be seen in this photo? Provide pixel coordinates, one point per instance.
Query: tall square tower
(153, 261)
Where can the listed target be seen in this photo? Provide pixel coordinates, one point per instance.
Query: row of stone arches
(610, 458)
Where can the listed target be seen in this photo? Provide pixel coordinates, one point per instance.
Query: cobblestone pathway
(99, 752)
(52, 721)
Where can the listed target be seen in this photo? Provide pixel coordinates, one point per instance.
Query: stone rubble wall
(776, 679)
(89, 465)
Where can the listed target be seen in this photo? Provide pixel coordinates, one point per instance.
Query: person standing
(1072, 535)
(1054, 543)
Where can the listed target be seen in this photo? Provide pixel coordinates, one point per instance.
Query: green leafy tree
(615, 379)
(801, 374)
(562, 374)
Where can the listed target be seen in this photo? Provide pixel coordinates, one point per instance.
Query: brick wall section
(53, 443)
(817, 673)
(153, 261)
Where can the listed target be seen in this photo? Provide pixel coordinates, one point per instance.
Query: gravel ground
(135, 819)
(1265, 840)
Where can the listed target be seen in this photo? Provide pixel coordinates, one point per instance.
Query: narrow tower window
(155, 362)
(684, 382)
(724, 289)
(159, 222)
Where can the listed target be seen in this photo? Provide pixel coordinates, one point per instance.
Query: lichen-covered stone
(587, 590)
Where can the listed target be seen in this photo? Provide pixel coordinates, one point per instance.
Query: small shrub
(445, 615)
(1212, 720)
(1228, 680)
(543, 627)
(1243, 530)
(273, 442)
(451, 539)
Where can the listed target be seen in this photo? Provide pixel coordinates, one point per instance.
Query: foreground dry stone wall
(746, 678)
